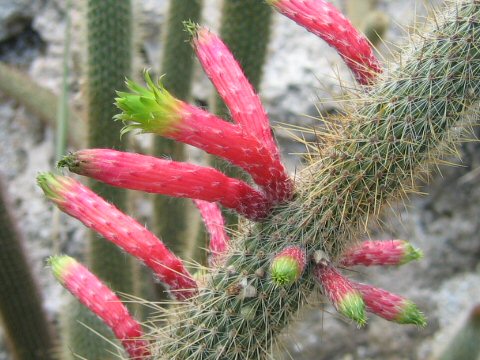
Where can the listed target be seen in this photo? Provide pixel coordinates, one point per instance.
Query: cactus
(27, 329)
(177, 65)
(386, 139)
(109, 39)
(465, 345)
(399, 122)
(39, 101)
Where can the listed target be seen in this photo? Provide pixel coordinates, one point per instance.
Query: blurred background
(302, 76)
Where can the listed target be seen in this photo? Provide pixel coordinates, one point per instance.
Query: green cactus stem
(465, 344)
(390, 133)
(109, 62)
(109, 38)
(172, 217)
(39, 101)
(25, 323)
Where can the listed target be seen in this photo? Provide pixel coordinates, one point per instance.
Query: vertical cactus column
(109, 62)
(109, 37)
(171, 218)
(26, 326)
(245, 29)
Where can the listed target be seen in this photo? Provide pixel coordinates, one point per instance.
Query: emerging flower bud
(390, 306)
(389, 252)
(341, 292)
(288, 265)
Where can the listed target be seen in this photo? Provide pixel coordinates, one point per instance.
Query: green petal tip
(411, 315)
(285, 270)
(60, 265)
(353, 307)
(411, 253)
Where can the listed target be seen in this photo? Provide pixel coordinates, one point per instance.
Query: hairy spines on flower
(83, 204)
(324, 20)
(215, 225)
(388, 252)
(390, 306)
(244, 104)
(288, 265)
(233, 86)
(160, 176)
(102, 301)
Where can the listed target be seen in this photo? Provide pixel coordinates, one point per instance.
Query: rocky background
(301, 78)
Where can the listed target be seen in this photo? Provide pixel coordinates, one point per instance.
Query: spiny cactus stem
(102, 301)
(149, 174)
(324, 20)
(83, 204)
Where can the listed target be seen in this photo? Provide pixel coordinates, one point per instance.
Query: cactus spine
(25, 323)
(109, 38)
(177, 65)
(391, 133)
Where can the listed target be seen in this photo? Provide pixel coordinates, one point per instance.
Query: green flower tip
(191, 28)
(150, 109)
(411, 315)
(52, 185)
(272, 2)
(285, 270)
(61, 264)
(353, 307)
(411, 253)
(69, 161)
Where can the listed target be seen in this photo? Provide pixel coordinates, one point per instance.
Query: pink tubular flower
(150, 174)
(244, 104)
(233, 86)
(80, 202)
(390, 306)
(389, 252)
(213, 219)
(288, 265)
(102, 301)
(154, 109)
(324, 20)
(341, 292)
